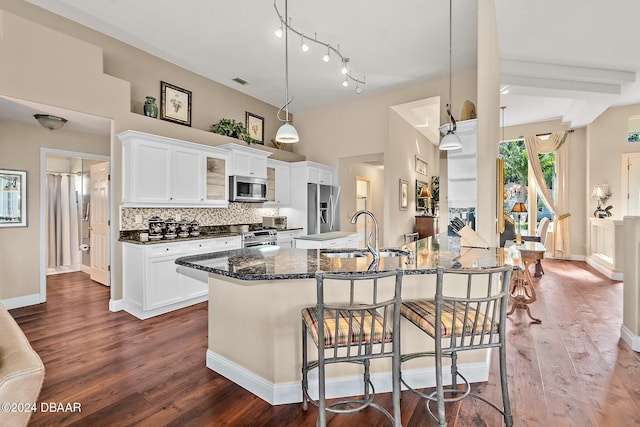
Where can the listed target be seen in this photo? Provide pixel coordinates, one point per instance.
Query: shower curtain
(62, 222)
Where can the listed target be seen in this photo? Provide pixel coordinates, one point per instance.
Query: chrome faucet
(375, 251)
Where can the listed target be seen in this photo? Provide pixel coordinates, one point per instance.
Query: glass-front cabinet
(216, 185)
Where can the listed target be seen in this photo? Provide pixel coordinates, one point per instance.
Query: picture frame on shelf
(404, 194)
(175, 104)
(255, 127)
(421, 166)
(13, 198)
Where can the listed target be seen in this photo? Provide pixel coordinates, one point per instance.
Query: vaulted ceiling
(568, 60)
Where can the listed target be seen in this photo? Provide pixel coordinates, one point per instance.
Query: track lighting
(326, 56)
(285, 25)
(345, 83)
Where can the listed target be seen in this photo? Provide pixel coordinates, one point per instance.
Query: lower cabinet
(154, 284)
(285, 238)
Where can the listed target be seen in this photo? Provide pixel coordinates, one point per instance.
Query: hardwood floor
(571, 370)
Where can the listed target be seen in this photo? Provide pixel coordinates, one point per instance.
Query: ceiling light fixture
(450, 141)
(345, 83)
(286, 24)
(287, 133)
(50, 122)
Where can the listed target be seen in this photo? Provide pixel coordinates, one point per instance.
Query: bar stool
(475, 320)
(363, 329)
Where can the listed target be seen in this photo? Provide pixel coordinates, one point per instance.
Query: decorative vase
(150, 107)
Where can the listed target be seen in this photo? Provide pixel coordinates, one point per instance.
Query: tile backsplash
(236, 213)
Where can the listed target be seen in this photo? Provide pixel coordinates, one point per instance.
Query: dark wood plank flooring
(571, 370)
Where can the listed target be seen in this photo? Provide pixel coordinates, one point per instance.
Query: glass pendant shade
(287, 134)
(450, 141)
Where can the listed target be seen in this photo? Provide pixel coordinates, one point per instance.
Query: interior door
(99, 223)
(630, 176)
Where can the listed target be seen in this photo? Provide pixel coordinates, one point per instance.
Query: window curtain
(560, 245)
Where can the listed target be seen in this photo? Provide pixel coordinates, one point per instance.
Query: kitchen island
(255, 298)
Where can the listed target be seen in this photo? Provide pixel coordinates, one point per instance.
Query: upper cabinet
(462, 167)
(278, 183)
(159, 171)
(319, 174)
(247, 161)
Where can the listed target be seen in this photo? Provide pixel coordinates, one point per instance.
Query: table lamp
(518, 208)
(425, 193)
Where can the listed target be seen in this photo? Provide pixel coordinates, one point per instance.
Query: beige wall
(75, 81)
(20, 146)
(363, 127)
(606, 142)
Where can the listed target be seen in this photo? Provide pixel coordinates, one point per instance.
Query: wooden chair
(474, 320)
(354, 331)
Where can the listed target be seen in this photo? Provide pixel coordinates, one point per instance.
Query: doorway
(73, 206)
(363, 202)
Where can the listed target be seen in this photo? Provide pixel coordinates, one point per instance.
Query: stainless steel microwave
(247, 189)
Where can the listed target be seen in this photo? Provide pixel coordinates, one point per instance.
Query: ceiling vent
(240, 81)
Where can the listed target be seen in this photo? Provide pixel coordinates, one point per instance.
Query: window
(516, 178)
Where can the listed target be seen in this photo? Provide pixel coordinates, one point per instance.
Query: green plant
(230, 127)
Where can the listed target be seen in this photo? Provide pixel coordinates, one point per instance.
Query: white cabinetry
(278, 183)
(159, 171)
(462, 167)
(285, 238)
(247, 161)
(319, 174)
(154, 284)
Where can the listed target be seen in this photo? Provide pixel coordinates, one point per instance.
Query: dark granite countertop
(214, 235)
(276, 263)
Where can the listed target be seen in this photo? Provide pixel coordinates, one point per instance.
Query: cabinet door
(217, 180)
(242, 164)
(283, 186)
(187, 172)
(326, 177)
(150, 172)
(316, 175)
(163, 285)
(271, 186)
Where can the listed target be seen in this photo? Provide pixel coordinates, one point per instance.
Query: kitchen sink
(363, 253)
(349, 254)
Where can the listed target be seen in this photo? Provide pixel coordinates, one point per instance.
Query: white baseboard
(630, 338)
(607, 271)
(85, 269)
(23, 301)
(280, 394)
(116, 304)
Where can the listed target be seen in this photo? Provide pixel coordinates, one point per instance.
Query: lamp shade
(598, 192)
(287, 134)
(424, 193)
(450, 141)
(519, 207)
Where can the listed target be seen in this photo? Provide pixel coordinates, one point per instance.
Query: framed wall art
(404, 194)
(255, 127)
(175, 104)
(13, 198)
(421, 166)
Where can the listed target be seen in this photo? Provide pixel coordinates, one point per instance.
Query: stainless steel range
(266, 236)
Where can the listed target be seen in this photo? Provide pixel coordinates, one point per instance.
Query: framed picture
(13, 198)
(404, 194)
(175, 104)
(255, 127)
(421, 166)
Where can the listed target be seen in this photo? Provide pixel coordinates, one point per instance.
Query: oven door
(258, 243)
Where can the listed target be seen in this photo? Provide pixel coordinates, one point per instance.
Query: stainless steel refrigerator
(323, 208)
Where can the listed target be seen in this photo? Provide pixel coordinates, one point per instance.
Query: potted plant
(232, 128)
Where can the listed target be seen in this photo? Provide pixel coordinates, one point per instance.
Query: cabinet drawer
(166, 249)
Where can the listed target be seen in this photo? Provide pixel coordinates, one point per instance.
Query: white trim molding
(22, 301)
(630, 338)
(280, 394)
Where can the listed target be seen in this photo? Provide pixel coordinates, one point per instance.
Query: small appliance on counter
(277, 222)
(156, 227)
(183, 228)
(170, 226)
(194, 228)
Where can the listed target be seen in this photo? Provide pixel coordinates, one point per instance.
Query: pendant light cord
(286, 60)
(452, 121)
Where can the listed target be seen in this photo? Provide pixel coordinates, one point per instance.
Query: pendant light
(287, 133)
(450, 141)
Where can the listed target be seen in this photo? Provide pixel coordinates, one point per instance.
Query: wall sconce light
(50, 122)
